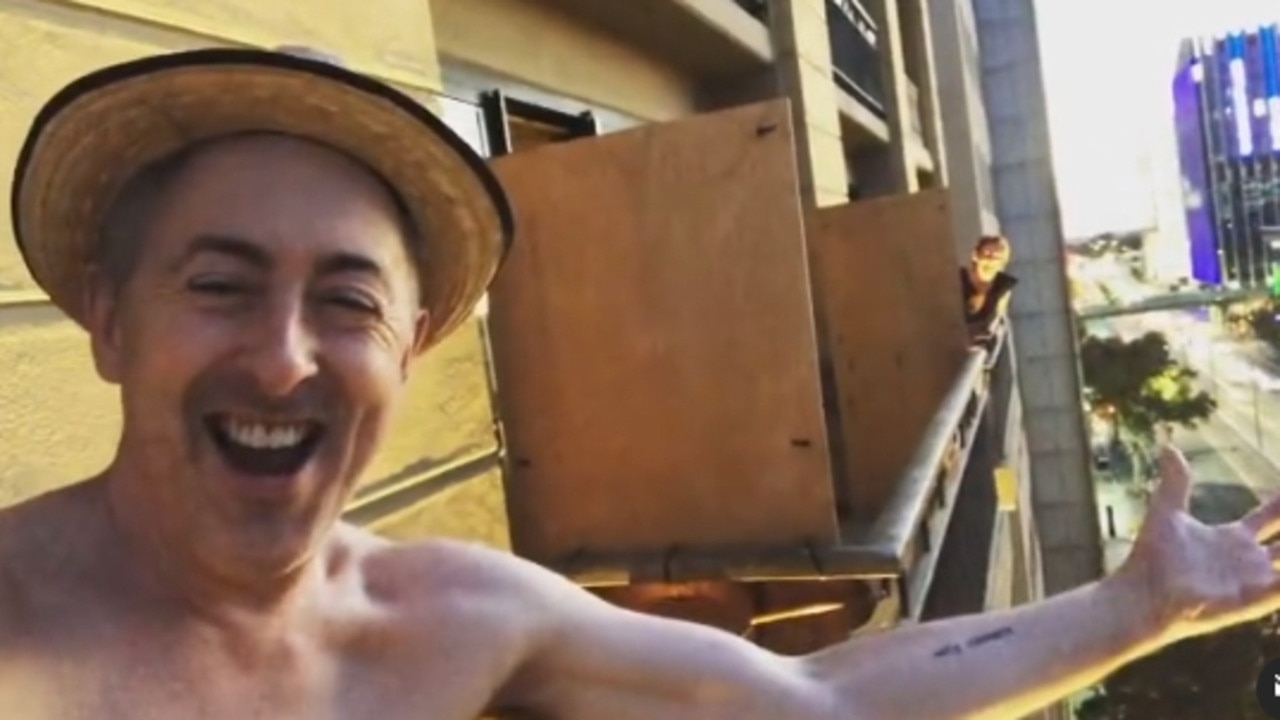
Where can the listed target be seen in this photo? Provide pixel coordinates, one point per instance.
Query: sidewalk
(1126, 511)
(1230, 475)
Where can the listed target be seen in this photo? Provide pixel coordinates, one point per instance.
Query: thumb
(1174, 490)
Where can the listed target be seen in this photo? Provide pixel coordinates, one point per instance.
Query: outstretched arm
(998, 665)
(610, 663)
(1183, 579)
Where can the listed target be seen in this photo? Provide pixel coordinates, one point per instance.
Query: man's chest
(128, 682)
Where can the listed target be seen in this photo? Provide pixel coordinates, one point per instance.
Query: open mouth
(259, 447)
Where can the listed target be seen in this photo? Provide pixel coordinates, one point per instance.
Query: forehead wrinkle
(216, 175)
(161, 183)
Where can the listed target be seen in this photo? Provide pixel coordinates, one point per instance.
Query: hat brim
(100, 130)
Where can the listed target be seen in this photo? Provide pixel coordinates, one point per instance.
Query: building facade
(658, 139)
(1001, 172)
(1226, 94)
(968, 136)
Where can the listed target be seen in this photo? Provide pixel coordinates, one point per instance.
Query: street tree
(1264, 321)
(1139, 386)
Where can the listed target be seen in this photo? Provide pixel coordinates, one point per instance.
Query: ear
(102, 320)
(421, 336)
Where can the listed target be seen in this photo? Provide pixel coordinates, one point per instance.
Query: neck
(164, 563)
(977, 279)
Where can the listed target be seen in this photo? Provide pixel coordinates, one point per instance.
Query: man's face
(988, 260)
(259, 344)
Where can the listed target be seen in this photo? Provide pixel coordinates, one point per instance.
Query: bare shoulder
(429, 572)
(10, 591)
(510, 602)
(497, 612)
(36, 539)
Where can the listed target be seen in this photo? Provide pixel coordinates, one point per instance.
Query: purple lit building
(1226, 93)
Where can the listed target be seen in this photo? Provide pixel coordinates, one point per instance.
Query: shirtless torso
(419, 631)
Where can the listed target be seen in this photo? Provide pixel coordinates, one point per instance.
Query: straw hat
(100, 130)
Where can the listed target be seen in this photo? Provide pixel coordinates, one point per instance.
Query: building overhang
(708, 39)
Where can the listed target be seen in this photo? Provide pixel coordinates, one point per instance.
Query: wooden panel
(886, 274)
(654, 345)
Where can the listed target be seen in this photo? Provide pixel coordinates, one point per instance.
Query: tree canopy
(1206, 677)
(1139, 385)
(1265, 323)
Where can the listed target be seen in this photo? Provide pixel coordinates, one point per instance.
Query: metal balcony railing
(1003, 384)
(967, 560)
(855, 53)
(901, 549)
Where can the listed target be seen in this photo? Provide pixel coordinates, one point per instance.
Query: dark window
(513, 124)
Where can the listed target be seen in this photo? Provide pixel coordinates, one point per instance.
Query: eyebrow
(348, 262)
(233, 247)
(253, 254)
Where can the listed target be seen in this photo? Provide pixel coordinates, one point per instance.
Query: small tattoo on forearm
(973, 642)
(949, 650)
(992, 636)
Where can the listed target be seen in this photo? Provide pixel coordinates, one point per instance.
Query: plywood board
(887, 278)
(654, 345)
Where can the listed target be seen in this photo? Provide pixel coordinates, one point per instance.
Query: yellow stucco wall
(465, 511)
(544, 48)
(58, 422)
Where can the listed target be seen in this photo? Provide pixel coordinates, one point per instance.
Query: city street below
(1234, 455)
(1231, 476)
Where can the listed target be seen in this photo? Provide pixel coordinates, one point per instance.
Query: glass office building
(1226, 93)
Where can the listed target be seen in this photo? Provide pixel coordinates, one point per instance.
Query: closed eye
(219, 286)
(354, 303)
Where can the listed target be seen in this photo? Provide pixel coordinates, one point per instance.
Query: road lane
(1243, 376)
(1220, 454)
(1234, 454)
(1231, 477)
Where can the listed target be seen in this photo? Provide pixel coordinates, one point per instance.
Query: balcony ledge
(708, 39)
(921, 158)
(865, 120)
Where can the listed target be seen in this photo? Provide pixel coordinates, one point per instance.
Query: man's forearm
(1000, 665)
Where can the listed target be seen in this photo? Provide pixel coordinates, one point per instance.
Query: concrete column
(890, 172)
(804, 75)
(965, 137)
(918, 28)
(1026, 201)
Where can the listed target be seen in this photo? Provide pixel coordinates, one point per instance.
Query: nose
(281, 352)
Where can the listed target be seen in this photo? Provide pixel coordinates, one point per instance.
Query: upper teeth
(260, 435)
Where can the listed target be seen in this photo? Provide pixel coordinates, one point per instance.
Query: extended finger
(1264, 521)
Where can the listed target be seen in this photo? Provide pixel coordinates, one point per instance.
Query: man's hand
(1199, 578)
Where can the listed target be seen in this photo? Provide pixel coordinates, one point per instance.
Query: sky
(1108, 65)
